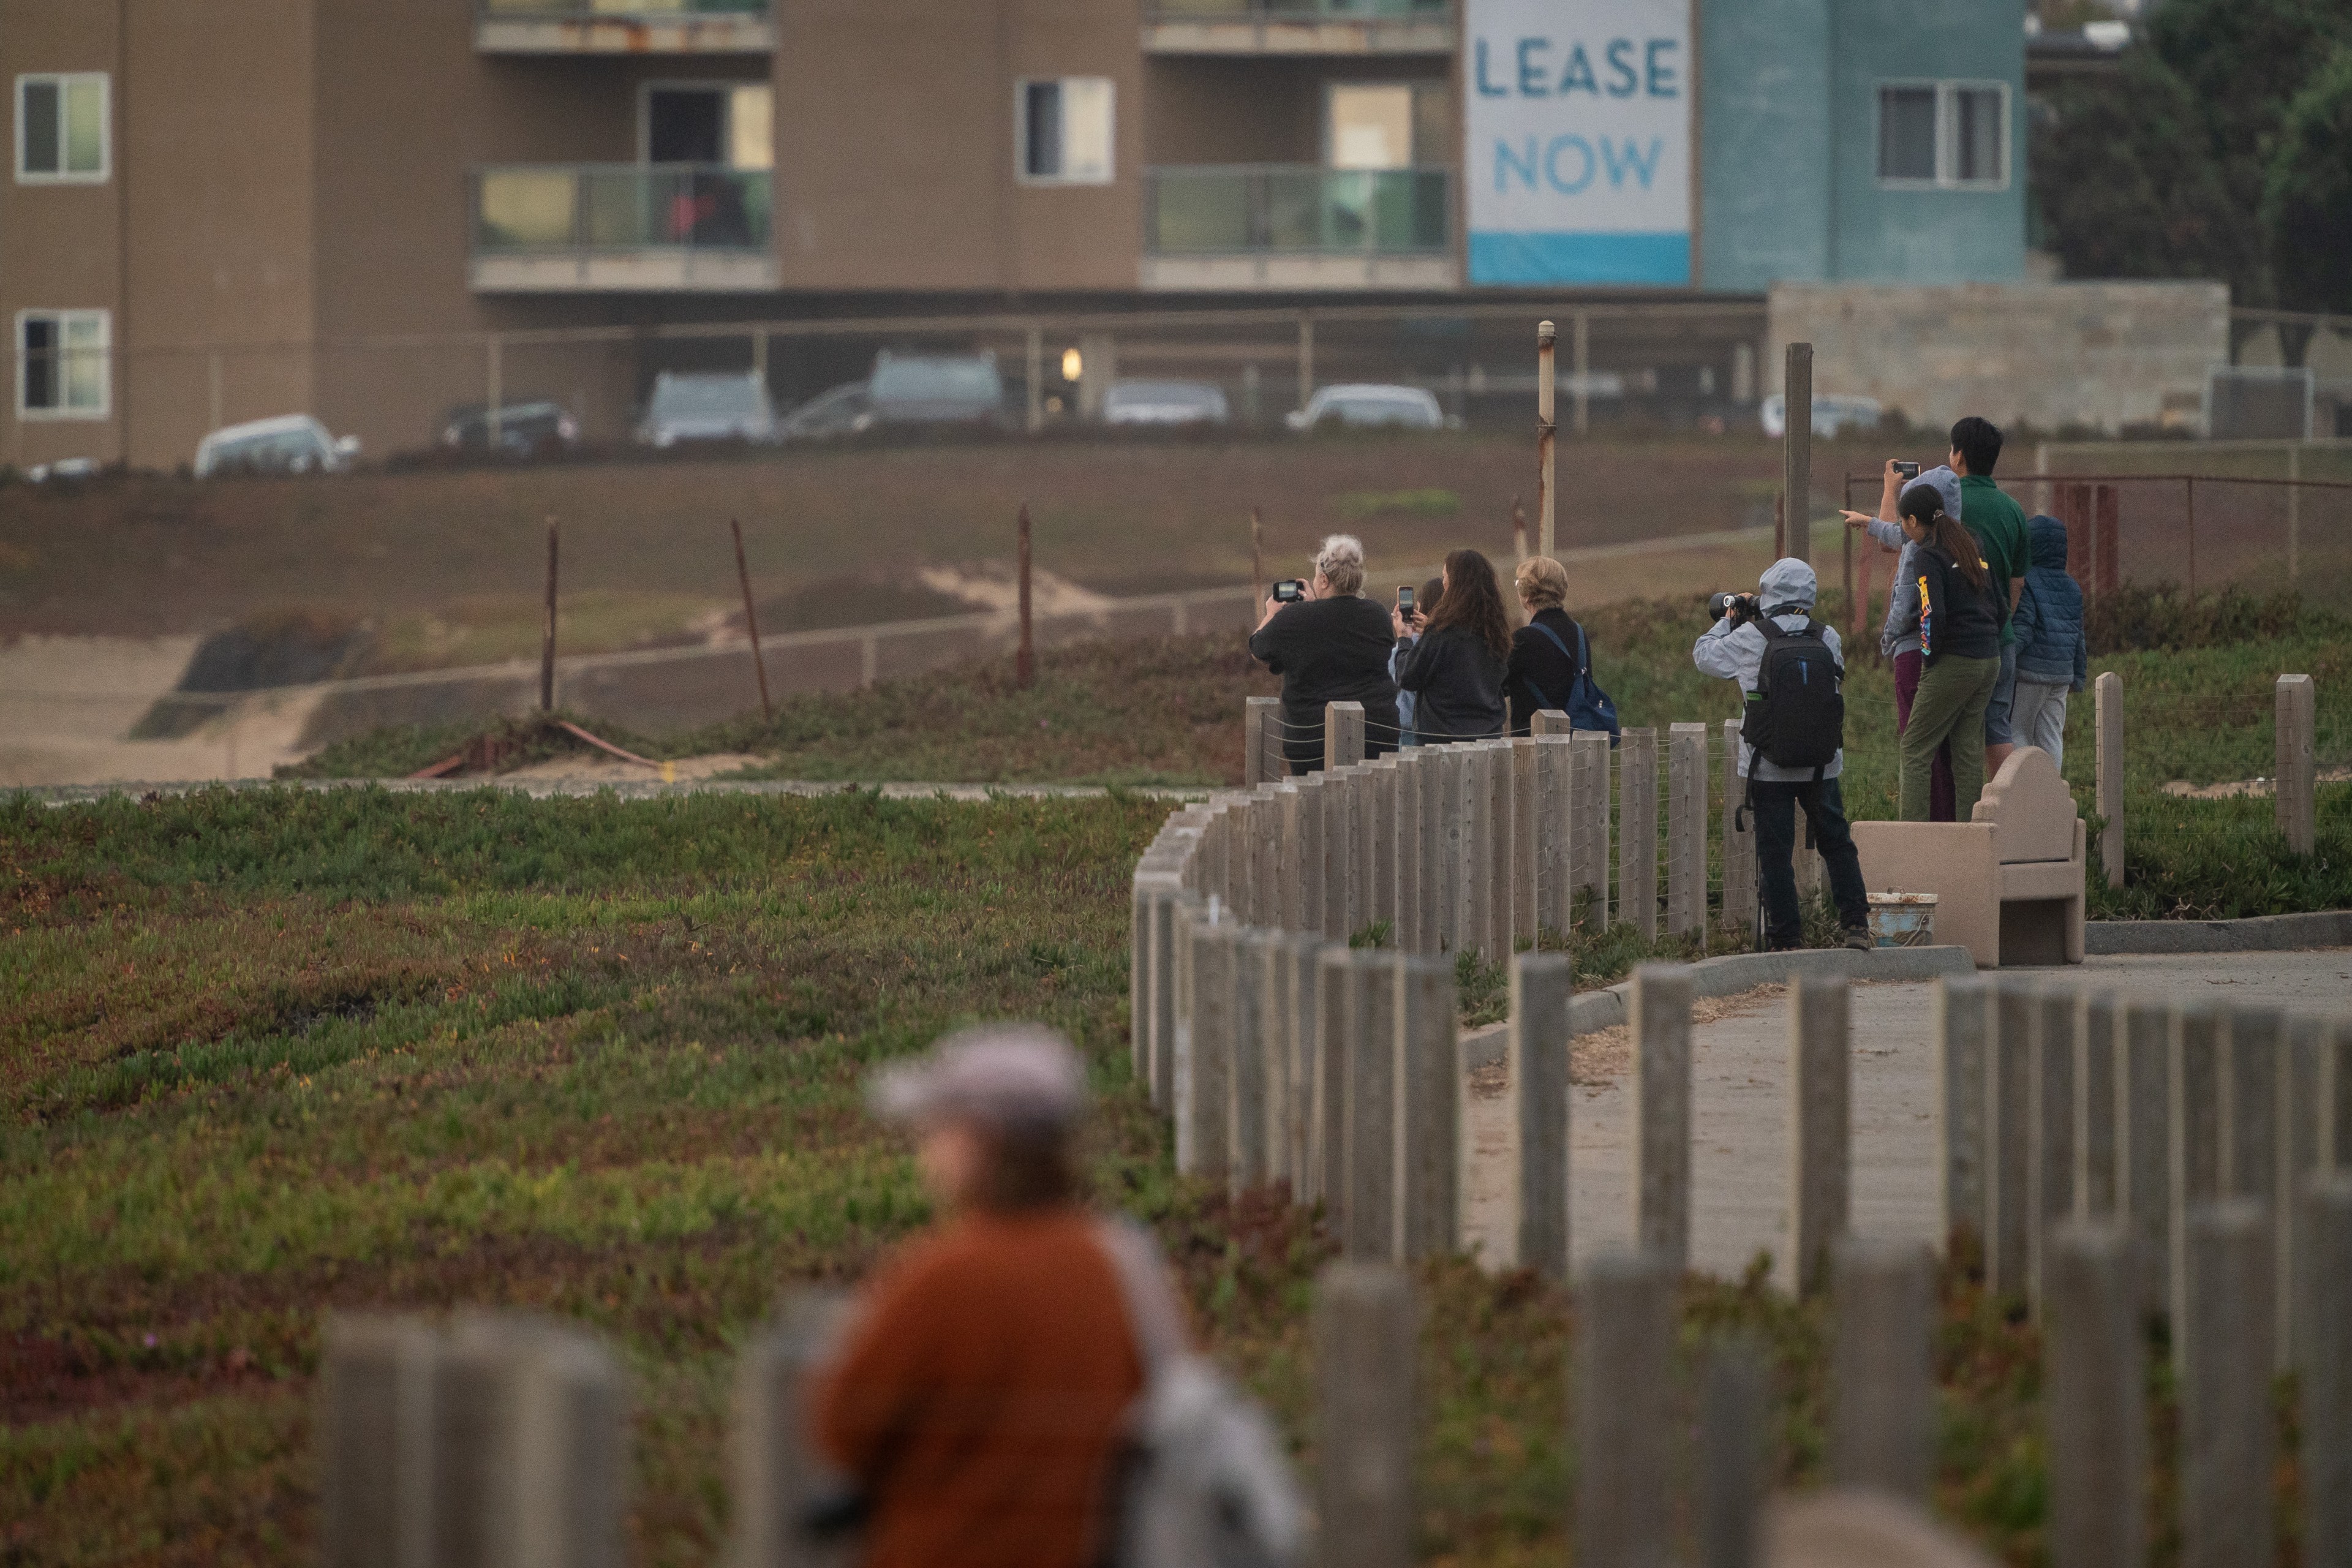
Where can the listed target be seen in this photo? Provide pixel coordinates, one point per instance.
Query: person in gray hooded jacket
(1898, 639)
(1734, 648)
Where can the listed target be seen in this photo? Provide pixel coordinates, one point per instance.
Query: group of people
(1446, 667)
(1985, 632)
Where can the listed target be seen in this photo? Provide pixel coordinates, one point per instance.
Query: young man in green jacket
(1997, 524)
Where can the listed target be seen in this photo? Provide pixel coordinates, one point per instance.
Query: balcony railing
(625, 26)
(1299, 26)
(622, 226)
(1284, 226)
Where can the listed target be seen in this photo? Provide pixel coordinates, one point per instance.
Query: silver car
(1363, 405)
(288, 444)
(1164, 402)
(703, 407)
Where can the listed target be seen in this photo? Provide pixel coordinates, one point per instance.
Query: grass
(271, 1053)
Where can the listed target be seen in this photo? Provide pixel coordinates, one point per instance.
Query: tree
(2307, 199)
(2129, 186)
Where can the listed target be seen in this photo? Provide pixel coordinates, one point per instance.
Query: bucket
(1902, 919)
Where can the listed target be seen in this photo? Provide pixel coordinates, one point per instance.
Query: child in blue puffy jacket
(2054, 655)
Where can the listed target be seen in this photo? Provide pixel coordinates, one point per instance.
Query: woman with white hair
(1332, 646)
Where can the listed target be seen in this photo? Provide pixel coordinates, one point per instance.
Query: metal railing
(616, 10)
(1297, 10)
(552, 209)
(1245, 209)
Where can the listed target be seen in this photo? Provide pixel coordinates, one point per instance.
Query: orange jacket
(978, 1400)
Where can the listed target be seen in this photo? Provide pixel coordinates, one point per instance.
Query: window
(1949, 134)
(1064, 130)
(61, 365)
(61, 129)
(725, 124)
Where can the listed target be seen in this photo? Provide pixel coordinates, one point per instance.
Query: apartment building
(223, 209)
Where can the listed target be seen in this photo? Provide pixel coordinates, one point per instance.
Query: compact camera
(1290, 590)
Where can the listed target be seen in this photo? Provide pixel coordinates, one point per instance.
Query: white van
(288, 444)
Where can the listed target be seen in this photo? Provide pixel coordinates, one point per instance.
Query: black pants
(1775, 842)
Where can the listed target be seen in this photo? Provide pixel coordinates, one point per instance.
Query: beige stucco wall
(2105, 355)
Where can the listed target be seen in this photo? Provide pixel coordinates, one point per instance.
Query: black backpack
(1795, 715)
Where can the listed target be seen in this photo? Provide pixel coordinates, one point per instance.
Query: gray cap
(1947, 486)
(1007, 1078)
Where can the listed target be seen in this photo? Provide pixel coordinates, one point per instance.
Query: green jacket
(1998, 525)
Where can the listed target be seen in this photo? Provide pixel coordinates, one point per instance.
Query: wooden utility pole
(546, 631)
(1546, 430)
(751, 619)
(1025, 665)
(1797, 450)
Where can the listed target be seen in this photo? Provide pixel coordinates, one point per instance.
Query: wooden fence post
(2098, 1052)
(1637, 830)
(1542, 983)
(1821, 1079)
(1555, 819)
(1370, 1228)
(2323, 1369)
(1624, 1339)
(1589, 845)
(1261, 741)
(1686, 833)
(1735, 1416)
(1428, 1138)
(2107, 789)
(2050, 1127)
(777, 1471)
(1738, 838)
(2097, 1424)
(1343, 735)
(1884, 1437)
(1201, 1080)
(2298, 712)
(1245, 1085)
(1334, 1059)
(374, 1439)
(1661, 1017)
(2193, 1134)
(2009, 1111)
(1962, 1023)
(1366, 1345)
(2144, 1147)
(1527, 843)
(2226, 1425)
(1499, 781)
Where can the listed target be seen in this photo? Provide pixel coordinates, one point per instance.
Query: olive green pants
(1953, 694)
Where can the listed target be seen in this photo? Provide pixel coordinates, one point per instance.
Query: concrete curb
(1591, 1011)
(2263, 933)
(624, 789)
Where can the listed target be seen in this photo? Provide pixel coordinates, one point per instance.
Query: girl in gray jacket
(1898, 639)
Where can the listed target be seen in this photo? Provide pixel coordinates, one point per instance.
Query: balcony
(1281, 227)
(1299, 27)
(624, 26)
(614, 228)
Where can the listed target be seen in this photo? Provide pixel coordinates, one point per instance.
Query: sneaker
(1859, 940)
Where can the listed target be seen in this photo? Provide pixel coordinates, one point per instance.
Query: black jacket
(1457, 683)
(1954, 618)
(1329, 650)
(1540, 675)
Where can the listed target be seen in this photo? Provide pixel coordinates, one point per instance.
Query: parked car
(844, 410)
(1164, 402)
(288, 444)
(532, 429)
(733, 406)
(937, 389)
(63, 469)
(1362, 405)
(1832, 414)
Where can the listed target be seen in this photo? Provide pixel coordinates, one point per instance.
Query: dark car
(844, 410)
(534, 429)
(937, 389)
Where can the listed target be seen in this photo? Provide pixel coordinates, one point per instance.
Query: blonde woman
(1331, 646)
(1549, 653)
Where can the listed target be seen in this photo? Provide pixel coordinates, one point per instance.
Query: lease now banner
(1577, 149)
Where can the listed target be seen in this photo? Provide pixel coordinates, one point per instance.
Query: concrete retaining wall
(2049, 355)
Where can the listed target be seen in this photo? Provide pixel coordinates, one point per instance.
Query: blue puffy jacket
(2050, 647)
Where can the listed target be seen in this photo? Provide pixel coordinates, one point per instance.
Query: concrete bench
(2007, 883)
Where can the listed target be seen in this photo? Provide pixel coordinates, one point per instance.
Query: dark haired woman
(1959, 647)
(1455, 672)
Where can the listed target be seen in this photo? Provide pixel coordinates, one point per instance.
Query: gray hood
(1788, 581)
(1947, 486)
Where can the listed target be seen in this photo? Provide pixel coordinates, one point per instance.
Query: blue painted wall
(1788, 152)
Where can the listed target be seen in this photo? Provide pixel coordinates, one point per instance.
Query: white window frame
(63, 80)
(105, 409)
(1947, 134)
(1021, 174)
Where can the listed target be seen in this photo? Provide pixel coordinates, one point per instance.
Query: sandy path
(1740, 1090)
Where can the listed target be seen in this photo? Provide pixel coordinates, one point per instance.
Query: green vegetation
(271, 1053)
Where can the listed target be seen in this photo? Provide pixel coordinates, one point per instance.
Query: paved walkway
(1740, 1093)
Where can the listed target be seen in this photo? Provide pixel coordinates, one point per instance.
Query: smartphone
(1908, 470)
(1404, 602)
(1290, 591)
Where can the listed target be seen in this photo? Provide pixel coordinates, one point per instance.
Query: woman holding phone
(1456, 671)
(1330, 645)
